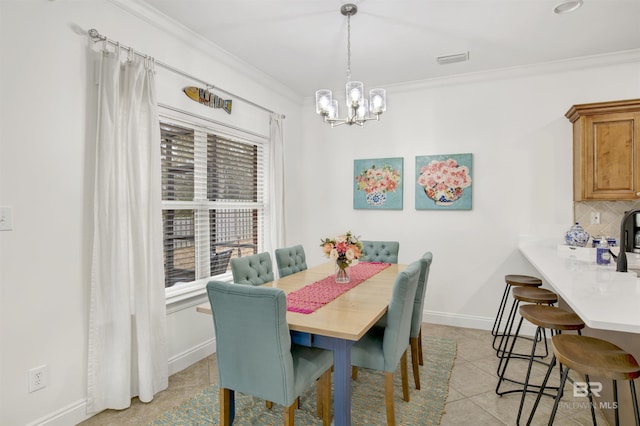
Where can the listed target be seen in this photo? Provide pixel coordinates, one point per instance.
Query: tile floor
(472, 399)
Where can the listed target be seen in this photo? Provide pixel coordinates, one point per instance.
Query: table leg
(341, 376)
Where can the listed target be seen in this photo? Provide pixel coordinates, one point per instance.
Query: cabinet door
(612, 156)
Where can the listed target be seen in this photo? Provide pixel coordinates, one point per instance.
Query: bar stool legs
(533, 295)
(510, 281)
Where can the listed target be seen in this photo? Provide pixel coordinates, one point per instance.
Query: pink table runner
(315, 295)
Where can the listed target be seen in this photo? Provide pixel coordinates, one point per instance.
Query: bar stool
(511, 281)
(535, 295)
(591, 357)
(544, 317)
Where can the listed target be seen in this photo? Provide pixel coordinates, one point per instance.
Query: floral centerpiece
(376, 182)
(344, 249)
(444, 181)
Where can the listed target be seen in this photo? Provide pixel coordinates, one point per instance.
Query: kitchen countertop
(603, 298)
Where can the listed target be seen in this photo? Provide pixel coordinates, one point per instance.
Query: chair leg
(289, 414)
(415, 348)
(319, 397)
(354, 372)
(324, 390)
(405, 376)
(227, 407)
(388, 399)
(420, 360)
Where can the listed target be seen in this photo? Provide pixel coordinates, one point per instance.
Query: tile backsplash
(611, 213)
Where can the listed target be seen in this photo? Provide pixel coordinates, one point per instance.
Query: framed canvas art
(444, 182)
(377, 184)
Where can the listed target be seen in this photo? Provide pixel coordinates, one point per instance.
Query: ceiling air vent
(450, 59)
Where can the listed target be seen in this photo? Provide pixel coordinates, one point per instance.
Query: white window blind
(213, 199)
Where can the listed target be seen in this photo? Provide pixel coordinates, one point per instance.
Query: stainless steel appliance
(632, 233)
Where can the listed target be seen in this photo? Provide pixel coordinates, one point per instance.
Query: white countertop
(603, 298)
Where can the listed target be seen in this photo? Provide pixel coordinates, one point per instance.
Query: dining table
(339, 323)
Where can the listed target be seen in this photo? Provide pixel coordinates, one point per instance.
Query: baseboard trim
(72, 414)
(471, 321)
(187, 358)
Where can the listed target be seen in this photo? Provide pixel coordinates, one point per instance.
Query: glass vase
(342, 274)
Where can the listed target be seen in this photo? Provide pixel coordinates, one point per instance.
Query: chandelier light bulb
(333, 109)
(363, 110)
(378, 101)
(323, 101)
(355, 95)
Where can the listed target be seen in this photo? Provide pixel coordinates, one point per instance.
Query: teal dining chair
(415, 335)
(383, 348)
(380, 251)
(256, 269)
(255, 355)
(290, 260)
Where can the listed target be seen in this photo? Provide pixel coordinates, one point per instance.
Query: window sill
(185, 295)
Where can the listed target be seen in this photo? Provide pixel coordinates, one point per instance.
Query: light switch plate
(6, 218)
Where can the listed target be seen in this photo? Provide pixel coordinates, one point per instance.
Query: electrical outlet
(38, 378)
(595, 218)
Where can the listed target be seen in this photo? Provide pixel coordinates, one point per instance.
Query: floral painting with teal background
(377, 184)
(443, 182)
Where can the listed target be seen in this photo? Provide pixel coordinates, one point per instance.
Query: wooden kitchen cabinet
(606, 150)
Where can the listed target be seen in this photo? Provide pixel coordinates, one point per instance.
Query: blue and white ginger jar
(576, 236)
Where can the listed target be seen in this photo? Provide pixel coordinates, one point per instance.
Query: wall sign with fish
(204, 97)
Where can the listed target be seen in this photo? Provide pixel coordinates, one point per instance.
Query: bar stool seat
(512, 280)
(551, 317)
(534, 295)
(522, 281)
(592, 357)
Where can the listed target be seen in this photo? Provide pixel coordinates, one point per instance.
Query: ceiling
(303, 43)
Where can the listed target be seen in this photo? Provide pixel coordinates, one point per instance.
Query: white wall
(47, 100)
(512, 122)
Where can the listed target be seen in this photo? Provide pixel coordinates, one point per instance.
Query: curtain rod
(96, 36)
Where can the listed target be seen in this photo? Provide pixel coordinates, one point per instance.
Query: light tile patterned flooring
(472, 399)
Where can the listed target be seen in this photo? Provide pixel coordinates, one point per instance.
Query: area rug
(367, 398)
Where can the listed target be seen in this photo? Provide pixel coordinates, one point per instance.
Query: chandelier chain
(349, 47)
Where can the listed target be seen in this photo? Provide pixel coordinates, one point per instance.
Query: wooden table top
(347, 317)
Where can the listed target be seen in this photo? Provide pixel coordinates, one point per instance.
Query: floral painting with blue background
(377, 184)
(443, 182)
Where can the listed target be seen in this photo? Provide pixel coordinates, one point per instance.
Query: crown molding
(571, 64)
(165, 23)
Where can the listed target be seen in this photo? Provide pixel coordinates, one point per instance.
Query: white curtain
(127, 354)
(276, 233)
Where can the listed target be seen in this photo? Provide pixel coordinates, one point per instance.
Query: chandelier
(359, 109)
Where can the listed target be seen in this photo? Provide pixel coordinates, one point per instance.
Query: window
(213, 199)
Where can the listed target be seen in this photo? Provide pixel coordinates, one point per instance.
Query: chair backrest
(418, 302)
(380, 251)
(256, 269)
(220, 261)
(290, 260)
(253, 344)
(396, 333)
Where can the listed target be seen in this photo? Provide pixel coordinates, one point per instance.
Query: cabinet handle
(637, 194)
